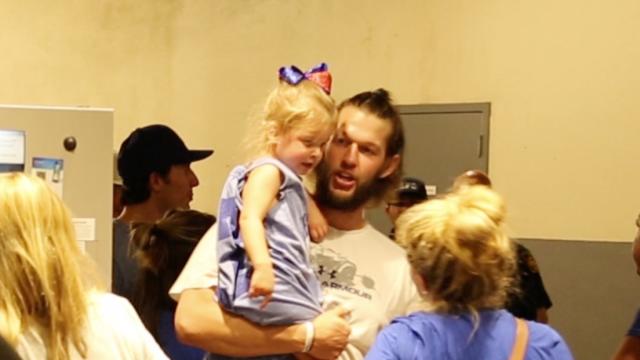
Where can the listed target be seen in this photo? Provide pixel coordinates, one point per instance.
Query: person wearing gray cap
(410, 192)
(155, 166)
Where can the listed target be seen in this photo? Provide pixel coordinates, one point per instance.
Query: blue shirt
(425, 336)
(124, 267)
(297, 293)
(168, 340)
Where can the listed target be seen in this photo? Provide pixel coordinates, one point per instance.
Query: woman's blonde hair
(457, 245)
(40, 283)
(291, 107)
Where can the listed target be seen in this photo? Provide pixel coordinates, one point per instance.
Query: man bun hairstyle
(380, 104)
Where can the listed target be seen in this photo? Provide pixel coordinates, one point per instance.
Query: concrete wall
(562, 79)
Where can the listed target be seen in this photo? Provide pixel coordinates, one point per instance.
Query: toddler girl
(263, 246)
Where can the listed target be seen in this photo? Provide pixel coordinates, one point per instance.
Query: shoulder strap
(520, 343)
(288, 174)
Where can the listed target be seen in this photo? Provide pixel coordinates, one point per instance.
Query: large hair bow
(319, 74)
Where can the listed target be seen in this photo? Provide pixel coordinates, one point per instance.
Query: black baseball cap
(411, 191)
(154, 148)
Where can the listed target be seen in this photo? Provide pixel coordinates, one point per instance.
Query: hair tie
(319, 74)
(154, 232)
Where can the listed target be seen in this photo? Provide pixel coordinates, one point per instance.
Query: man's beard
(361, 195)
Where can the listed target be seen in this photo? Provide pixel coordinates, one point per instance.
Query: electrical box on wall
(70, 148)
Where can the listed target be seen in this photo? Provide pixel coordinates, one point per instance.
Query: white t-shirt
(362, 269)
(114, 331)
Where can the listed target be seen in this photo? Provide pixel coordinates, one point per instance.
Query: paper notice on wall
(85, 228)
(83, 246)
(12, 145)
(51, 171)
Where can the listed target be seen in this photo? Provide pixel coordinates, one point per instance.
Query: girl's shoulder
(268, 160)
(405, 337)
(417, 322)
(287, 174)
(544, 340)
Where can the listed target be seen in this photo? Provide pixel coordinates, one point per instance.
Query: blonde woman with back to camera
(48, 308)
(462, 263)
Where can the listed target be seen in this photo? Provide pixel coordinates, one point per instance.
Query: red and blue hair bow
(319, 74)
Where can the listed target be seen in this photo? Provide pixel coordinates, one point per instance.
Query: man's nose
(351, 156)
(193, 179)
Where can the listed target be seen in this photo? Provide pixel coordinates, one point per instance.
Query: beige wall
(561, 76)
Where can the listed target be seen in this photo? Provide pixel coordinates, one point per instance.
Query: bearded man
(358, 266)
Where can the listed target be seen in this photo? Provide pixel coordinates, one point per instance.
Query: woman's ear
(421, 284)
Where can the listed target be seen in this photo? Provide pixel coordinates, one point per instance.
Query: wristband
(311, 333)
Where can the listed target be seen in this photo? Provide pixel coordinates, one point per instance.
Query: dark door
(442, 141)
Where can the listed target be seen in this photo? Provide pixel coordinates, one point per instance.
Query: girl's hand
(318, 226)
(262, 283)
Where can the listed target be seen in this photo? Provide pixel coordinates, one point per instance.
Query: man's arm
(202, 323)
(629, 349)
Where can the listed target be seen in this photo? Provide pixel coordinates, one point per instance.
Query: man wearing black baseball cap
(410, 192)
(154, 164)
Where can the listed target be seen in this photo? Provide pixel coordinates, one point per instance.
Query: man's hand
(262, 283)
(331, 333)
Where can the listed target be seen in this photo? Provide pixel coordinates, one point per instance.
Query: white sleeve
(116, 331)
(404, 297)
(351, 352)
(201, 271)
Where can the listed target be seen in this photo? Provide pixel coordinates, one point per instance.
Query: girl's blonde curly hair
(290, 107)
(458, 246)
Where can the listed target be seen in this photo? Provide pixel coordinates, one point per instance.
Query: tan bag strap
(522, 337)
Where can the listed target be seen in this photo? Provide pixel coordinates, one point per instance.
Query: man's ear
(390, 166)
(156, 181)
